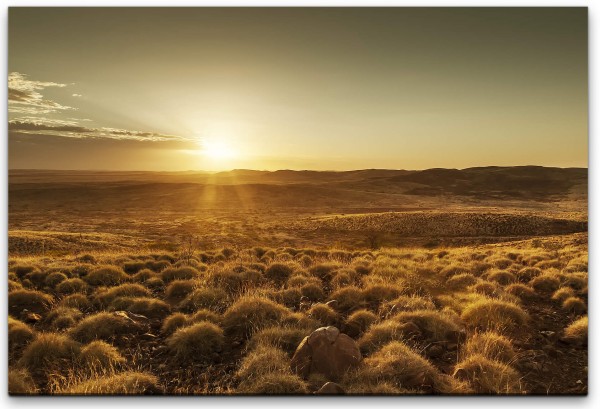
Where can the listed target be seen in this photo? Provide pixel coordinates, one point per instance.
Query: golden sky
(297, 88)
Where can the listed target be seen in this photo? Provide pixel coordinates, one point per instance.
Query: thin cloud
(24, 96)
(70, 129)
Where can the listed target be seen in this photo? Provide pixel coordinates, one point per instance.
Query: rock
(327, 352)
(331, 388)
(30, 317)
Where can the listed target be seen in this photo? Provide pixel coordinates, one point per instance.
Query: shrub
(461, 281)
(71, 286)
(50, 352)
(274, 384)
(286, 339)
(348, 299)
(435, 325)
(144, 275)
(173, 322)
(106, 276)
(563, 293)
(486, 288)
(324, 314)
(179, 289)
(205, 315)
(545, 283)
(359, 322)
(502, 277)
(574, 305)
(488, 376)
(250, 313)
(278, 272)
(19, 335)
(98, 356)
(313, 292)
(490, 345)
(126, 383)
(105, 326)
(407, 303)
(577, 281)
(522, 291)
(14, 285)
(528, 273)
(132, 267)
(78, 301)
(179, 273)
(154, 283)
(228, 281)
(209, 297)
(31, 300)
(53, 279)
(146, 306)
(381, 334)
(106, 297)
(21, 270)
(577, 331)
(197, 342)
(61, 318)
(263, 360)
(20, 382)
(488, 314)
(378, 293)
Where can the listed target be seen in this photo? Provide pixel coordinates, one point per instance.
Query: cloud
(24, 96)
(71, 129)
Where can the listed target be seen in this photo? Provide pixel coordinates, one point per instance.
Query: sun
(217, 149)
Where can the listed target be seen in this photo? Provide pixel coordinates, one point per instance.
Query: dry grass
(50, 352)
(104, 326)
(21, 383)
(488, 376)
(106, 276)
(490, 345)
(100, 357)
(250, 314)
(31, 300)
(198, 342)
(490, 314)
(126, 383)
(577, 331)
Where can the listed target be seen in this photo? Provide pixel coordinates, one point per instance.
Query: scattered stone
(331, 388)
(327, 352)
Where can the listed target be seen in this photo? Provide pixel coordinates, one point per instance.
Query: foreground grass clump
(524, 292)
(197, 342)
(107, 276)
(179, 273)
(19, 335)
(545, 283)
(21, 383)
(492, 346)
(61, 318)
(173, 322)
(435, 325)
(488, 376)
(51, 352)
(105, 326)
(30, 300)
(399, 366)
(324, 314)
(250, 314)
(104, 298)
(71, 286)
(146, 306)
(358, 322)
(577, 331)
(127, 383)
(574, 305)
(100, 357)
(385, 332)
(283, 338)
(212, 298)
(491, 314)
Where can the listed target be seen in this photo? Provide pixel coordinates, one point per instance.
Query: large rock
(327, 352)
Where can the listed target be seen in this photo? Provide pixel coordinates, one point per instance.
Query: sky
(173, 89)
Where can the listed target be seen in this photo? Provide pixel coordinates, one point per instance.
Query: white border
(592, 400)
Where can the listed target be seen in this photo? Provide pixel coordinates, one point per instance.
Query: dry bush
(299, 320)
(72, 286)
(274, 384)
(104, 298)
(132, 267)
(375, 294)
(19, 335)
(196, 343)
(500, 262)
(574, 305)
(61, 318)
(502, 277)
(348, 299)
(383, 333)
(53, 279)
(21, 270)
(20, 382)
(230, 281)
(491, 345)
(358, 322)
(106, 276)
(460, 281)
(324, 314)
(381, 388)
(406, 303)
(179, 273)
(50, 352)
(324, 271)
(313, 292)
(436, 326)
(278, 273)
(126, 383)
(546, 283)
(205, 315)
(577, 331)
(284, 338)
(146, 306)
(489, 314)
(14, 285)
(289, 297)
(179, 289)
(522, 291)
(173, 322)
(527, 274)
(488, 376)
(398, 365)
(486, 288)
(100, 357)
(31, 300)
(562, 294)
(79, 301)
(104, 325)
(144, 275)
(577, 281)
(343, 278)
(250, 314)
(209, 297)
